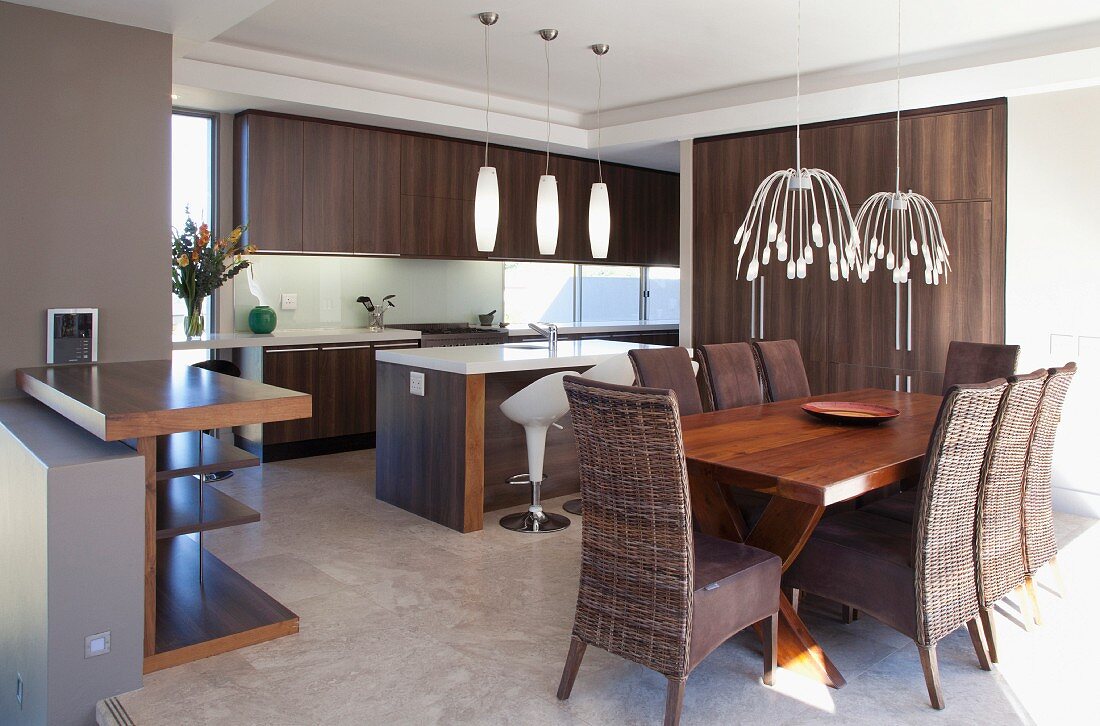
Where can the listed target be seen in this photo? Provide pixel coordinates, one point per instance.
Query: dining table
(805, 465)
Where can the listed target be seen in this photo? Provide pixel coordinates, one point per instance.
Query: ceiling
(681, 59)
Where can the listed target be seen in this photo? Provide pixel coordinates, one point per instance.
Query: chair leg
(771, 637)
(1058, 576)
(848, 614)
(1022, 600)
(931, 675)
(1033, 596)
(674, 701)
(990, 629)
(796, 595)
(979, 647)
(572, 665)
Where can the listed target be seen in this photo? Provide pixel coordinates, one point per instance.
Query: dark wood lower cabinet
(345, 391)
(295, 369)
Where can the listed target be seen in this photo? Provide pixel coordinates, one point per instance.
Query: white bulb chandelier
(599, 205)
(796, 210)
(487, 193)
(546, 207)
(903, 225)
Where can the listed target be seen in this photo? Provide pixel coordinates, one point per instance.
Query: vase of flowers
(200, 265)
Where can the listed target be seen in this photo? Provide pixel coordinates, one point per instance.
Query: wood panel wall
(852, 334)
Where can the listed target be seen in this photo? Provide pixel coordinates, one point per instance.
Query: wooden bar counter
(138, 402)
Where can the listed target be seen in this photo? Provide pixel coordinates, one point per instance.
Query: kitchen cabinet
(853, 335)
(327, 220)
(345, 390)
(269, 192)
(376, 205)
(295, 369)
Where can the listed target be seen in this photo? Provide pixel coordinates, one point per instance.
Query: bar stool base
(574, 506)
(526, 522)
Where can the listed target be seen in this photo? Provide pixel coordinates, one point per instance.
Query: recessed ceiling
(659, 49)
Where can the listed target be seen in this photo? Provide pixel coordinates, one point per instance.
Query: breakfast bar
(445, 451)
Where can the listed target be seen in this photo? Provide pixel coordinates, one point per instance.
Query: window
(561, 292)
(193, 153)
(662, 295)
(609, 293)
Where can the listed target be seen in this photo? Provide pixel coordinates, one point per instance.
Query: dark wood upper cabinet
(437, 227)
(327, 218)
(950, 155)
(377, 191)
(440, 168)
(518, 182)
(575, 179)
(269, 181)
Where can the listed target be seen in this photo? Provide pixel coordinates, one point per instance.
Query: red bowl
(850, 412)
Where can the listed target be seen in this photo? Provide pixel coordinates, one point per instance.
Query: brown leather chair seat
(899, 507)
(734, 584)
(860, 552)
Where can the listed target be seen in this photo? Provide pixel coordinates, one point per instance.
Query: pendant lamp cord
(486, 95)
(897, 125)
(546, 44)
(798, 93)
(599, 126)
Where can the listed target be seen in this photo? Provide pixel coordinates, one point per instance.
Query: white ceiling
(677, 68)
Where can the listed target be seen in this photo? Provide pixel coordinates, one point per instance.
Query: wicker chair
(1000, 501)
(669, 368)
(1040, 547)
(784, 372)
(652, 590)
(921, 579)
(976, 362)
(731, 372)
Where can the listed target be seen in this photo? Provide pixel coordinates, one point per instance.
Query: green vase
(261, 319)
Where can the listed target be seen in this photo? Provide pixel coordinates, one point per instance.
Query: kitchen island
(445, 453)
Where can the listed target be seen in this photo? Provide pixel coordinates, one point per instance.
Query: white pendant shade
(599, 221)
(546, 215)
(486, 209)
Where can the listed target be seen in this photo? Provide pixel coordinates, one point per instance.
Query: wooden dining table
(805, 465)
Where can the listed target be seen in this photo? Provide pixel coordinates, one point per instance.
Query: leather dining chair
(669, 368)
(919, 579)
(783, 369)
(731, 374)
(1040, 546)
(652, 591)
(977, 362)
(1001, 498)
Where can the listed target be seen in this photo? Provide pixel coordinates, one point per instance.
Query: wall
(1052, 299)
(84, 191)
(428, 291)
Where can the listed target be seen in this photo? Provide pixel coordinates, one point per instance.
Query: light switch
(289, 301)
(98, 644)
(416, 383)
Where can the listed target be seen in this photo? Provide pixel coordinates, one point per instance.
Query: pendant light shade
(486, 209)
(546, 207)
(900, 225)
(487, 193)
(599, 206)
(797, 210)
(599, 221)
(546, 215)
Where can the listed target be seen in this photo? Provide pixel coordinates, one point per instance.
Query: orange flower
(236, 234)
(183, 261)
(195, 256)
(204, 234)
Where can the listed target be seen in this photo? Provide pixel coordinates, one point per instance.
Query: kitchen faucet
(550, 332)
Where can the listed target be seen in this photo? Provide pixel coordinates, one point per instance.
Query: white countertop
(613, 326)
(532, 356)
(316, 336)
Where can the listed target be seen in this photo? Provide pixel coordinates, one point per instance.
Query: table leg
(147, 447)
(713, 510)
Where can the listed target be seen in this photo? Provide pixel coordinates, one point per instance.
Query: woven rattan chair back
(1039, 543)
(1000, 501)
(945, 525)
(636, 548)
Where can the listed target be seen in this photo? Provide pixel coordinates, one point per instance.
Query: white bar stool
(617, 370)
(536, 407)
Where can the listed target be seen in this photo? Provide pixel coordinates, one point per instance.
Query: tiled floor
(403, 621)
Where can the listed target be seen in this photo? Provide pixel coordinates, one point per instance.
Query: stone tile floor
(404, 621)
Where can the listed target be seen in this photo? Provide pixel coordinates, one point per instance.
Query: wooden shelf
(225, 613)
(178, 455)
(178, 508)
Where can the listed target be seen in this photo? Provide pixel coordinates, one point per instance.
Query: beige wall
(85, 110)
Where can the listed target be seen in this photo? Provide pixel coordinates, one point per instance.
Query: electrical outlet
(416, 383)
(98, 644)
(289, 301)
(19, 689)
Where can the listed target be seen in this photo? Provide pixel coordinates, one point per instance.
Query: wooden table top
(779, 448)
(151, 398)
